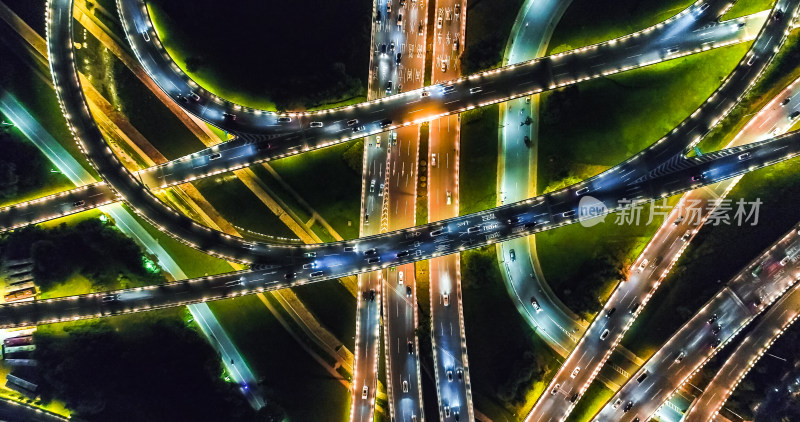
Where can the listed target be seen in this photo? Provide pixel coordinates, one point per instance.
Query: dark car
(383, 48)
(715, 343)
(794, 115)
(610, 312)
(410, 348)
(628, 406)
(713, 319)
(229, 116)
(402, 254)
(79, 203)
(399, 57)
(374, 260)
(574, 398)
(408, 291)
(715, 329)
(370, 252)
(527, 140)
(289, 275)
(372, 295)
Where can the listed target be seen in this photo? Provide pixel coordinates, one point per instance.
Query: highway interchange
(390, 238)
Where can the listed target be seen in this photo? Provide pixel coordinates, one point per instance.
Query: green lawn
(597, 124)
(510, 365)
(478, 161)
(240, 206)
(271, 61)
(324, 180)
(489, 24)
(334, 307)
(289, 375)
(746, 7)
(717, 254)
(582, 263)
(593, 399)
(589, 22)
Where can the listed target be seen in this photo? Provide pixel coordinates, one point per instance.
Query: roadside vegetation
(716, 254)
(509, 364)
(478, 160)
(271, 54)
(592, 400)
(746, 7)
(489, 24)
(151, 366)
(589, 22)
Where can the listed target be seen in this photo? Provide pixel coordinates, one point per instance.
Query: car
(642, 377)
(512, 255)
(643, 265)
(448, 89)
(474, 229)
(568, 214)
(715, 329)
(581, 191)
(399, 277)
(316, 124)
(111, 298)
(378, 16)
(388, 8)
(358, 128)
(786, 101)
(535, 305)
(475, 90)
(284, 119)
(784, 261)
(628, 406)
(146, 36)
(794, 115)
(194, 97)
(777, 16)
(616, 404)
(703, 7)
(460, 374)
(455, 44)
(383, 49)
(310, 255)
(449, 375)
(214, 156)
(436, 232)
(316, 274)
(574, 398)
(182, 99)
(408, 291)
(672, 50)
(697, 177)
(372, 186)
(350, 248)
(310, 265)
(686, 236)
(446, 411)
(634, 308)
(424, 93)
(289, 276)
(372, 295)
(457, 9)
(378, 141)
(410, 348)
(439, 22)
(680, 356)
(229, 116)
(405, 386)
(391, 46)
(403, 254)
(364, 392)
(527, 141)
(555, 389)
(741, 25)
(715, 343)
(386, 122)
(366, 218)
(433, 160)
(575, 372)
(444, 65)
(446, 299)
(399, 19)
(79, 203)
(678, 220)
(374, 260)
(352, 122)
(449, 198)
(398, 58)
(752, 60)
(370, 252)
(389, 87)
(744, 156)
(420, 29)
(713, 319)
(604, 335)
(610, 312)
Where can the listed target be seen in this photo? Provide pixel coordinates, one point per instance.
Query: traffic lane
(56, 205)
(771, 325)
(718, 321)
(367, 341)
(327, 116)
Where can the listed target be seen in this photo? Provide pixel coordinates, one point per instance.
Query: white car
(405, 386)
(378, 141)
(575, 372)
(643, 265)
(400, 277)
(617, 403)
(433, 160)
(604, 335)
(439, 22)
(446, 299)
(364, 392)
(555, 389)
(449, 198)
